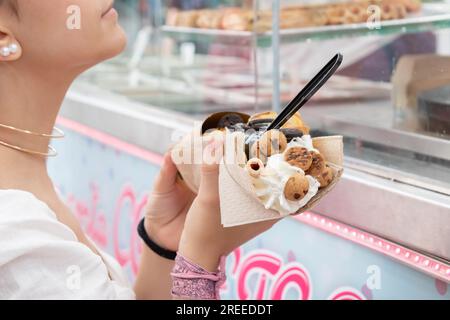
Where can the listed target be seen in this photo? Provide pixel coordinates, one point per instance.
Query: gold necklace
(52, 151)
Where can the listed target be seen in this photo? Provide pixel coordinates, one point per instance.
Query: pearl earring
(5, 52)
(8, 50)
(13, 48)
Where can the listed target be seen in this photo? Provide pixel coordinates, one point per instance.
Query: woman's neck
(29, 100)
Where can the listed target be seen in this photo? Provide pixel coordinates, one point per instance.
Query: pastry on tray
(292, 17)
(238, 20)
(264, 174)
(209, 19)
(410, 6)
(186, 18)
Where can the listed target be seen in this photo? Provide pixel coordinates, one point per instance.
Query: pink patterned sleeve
(190, 281)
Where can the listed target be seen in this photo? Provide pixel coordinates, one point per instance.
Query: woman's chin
(113, 47)
(107, 52)
(117, 44)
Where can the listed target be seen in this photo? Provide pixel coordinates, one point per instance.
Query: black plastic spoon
(307, 92)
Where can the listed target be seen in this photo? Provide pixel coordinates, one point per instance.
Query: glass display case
(390, 99)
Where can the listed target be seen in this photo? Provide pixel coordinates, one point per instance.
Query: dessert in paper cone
(263, 175)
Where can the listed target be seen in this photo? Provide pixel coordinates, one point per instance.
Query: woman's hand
(204, 239)
(167, 207)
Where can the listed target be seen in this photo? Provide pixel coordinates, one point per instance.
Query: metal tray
(432, 16)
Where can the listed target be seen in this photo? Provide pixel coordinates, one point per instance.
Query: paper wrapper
(238, 202)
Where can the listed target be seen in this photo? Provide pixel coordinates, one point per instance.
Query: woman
(41, 243)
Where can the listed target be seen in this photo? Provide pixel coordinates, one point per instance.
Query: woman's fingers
(167, 177)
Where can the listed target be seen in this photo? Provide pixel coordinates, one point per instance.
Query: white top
(41, 258)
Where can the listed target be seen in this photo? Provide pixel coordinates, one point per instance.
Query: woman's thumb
(209, 181)
(166, 179)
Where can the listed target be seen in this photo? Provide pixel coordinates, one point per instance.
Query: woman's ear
(10, 49)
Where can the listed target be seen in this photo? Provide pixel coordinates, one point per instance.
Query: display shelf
(434, 16)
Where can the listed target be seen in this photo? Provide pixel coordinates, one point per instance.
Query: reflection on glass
(391, 98)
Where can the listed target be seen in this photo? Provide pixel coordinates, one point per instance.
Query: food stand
(382, 233)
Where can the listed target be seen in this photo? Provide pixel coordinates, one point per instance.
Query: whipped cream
(305, 142)
(269, 186)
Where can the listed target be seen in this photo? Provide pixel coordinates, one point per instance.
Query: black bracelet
(168, 254)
